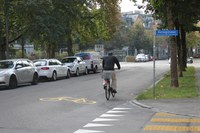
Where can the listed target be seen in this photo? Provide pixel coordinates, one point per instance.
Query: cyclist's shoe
(114, 91)
(104, 87)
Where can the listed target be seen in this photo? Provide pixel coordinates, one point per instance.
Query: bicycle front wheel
(113, 94)
(107, 92)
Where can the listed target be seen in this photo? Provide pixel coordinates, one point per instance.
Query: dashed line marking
(172, 128)
(176, 120)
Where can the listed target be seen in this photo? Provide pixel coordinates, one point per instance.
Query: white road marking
(88, 131)
(110, 115)
(121, 108)
(104, 119)
(112, 111)
(97, 125)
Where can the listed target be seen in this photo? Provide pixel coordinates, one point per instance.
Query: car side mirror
(18, 66)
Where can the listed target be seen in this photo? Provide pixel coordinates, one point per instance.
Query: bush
(130, 59)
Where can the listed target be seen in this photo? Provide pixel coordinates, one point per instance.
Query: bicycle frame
(107, 87)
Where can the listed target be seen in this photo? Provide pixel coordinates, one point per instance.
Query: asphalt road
(78, 104)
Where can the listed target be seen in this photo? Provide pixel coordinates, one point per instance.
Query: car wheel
(12, 82)
(86, 71)
(68, 74)
(35, 79)
(54, 76)
(77, 72)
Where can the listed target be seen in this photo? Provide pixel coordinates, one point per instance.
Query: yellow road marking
(172, 128)
(164, 114)
(75, 100)
(178, 120)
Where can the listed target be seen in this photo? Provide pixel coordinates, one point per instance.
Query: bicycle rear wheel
(107, 92)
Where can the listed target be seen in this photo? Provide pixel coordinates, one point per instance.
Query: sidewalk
(186, 106)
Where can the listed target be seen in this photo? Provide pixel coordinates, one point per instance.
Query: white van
(93, 60)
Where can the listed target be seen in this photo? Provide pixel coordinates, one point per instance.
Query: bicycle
(107, 86)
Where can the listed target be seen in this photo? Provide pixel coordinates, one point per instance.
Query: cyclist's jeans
(113, 78)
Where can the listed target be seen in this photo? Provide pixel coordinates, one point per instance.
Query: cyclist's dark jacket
(109, 62)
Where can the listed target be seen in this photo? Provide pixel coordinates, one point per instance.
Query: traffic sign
(166, 32)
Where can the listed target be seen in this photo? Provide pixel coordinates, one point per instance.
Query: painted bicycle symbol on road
(75, 100)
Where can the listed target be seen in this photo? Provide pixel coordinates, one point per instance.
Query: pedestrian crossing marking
(112, 111)
(88, 131)
(172, 128)
(104, 119)
(97, 125)
(176, 120)
(110, 115)
(121, 108)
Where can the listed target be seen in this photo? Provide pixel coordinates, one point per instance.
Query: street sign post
(160, 33)
(166, 32)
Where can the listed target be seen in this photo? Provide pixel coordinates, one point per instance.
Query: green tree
(51, 22)
(173, 14)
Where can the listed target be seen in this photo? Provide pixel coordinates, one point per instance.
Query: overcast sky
(127, 5)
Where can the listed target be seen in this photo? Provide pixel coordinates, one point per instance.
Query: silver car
(76, 65)
(17, 71)
(51, 69)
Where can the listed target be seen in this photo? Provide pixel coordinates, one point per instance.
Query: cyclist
(108, 67)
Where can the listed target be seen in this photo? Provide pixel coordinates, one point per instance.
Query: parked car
(76, 64)
(189, 60)
(17, 71)
(51, 69)
(140, 58)
(93, 60)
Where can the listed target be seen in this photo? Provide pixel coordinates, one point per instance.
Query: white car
(141, 58)
(76, 64)
(93, 60)
(51, 69)
(17, 71)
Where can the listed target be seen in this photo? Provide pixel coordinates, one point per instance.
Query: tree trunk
(2, 44)
(53, 49)
(23, 43)
(179, 47)
(183, 39)
(173, 47)
(69, 46)
(48, 50)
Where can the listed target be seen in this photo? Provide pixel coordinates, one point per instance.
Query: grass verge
(187, 87)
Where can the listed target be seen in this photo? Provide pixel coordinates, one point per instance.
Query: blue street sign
(166, 32)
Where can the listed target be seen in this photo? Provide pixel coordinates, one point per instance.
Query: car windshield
(6, 64)
(85, 56)
(68, 60)
(40, 63)
(140, 55)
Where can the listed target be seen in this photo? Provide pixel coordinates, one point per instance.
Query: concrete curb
(141, 105)
(135, 102)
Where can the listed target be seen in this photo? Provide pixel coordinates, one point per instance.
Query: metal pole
(154, 56)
